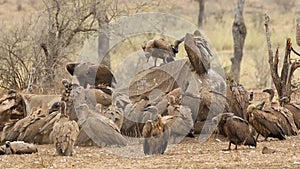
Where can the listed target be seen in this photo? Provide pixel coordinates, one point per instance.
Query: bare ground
(190, 153)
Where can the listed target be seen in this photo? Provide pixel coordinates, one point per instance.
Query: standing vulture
(159, 48)
(293, 108)
(264, 123)
(156, 135)
(238, 99)
(64, 133)
(236, 129)
(286, 118)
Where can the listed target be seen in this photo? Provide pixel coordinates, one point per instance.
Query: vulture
(238, 99)
(17, 131)
(236, 129)
(198, 52)
(113, 113)
(17, 147)
(293, 108)
(99, 128)
(91, 74)
(159, 48)
(156, 135)
(179, 120)
(265, 123)
(135, 115)
(64, 133)
(271, 96)
(45, 125)
(286, 118)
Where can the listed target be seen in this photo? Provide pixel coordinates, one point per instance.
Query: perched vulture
(238, 99)
(293, 108)
(264, 123)
(198, 52)
(18, 147)
(64, 134)
(236, 129)
(99, 128)
(92, 74)
(156, 135)
(159, 48)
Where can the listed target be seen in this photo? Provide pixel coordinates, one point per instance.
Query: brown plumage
(135, 115)
(286, 118)
(115, 114)
(99, 128)
(180, 122)
(198, 52)
(17, 131)
(236, 129)
(159, 48)
(264, 123)
(293, 108)
(64, 134)
(156, 136)
(238, 99)
(92, 74)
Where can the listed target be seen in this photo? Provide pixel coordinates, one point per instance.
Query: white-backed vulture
(99, 128)
(156, 135)
(286, 118)
(236, 129)
(64, 133)
(18, 147)
(180, 123)
(293, 108)
(16, 132)
(135, 115)
(264, 123)
(115, 114)
(238, 99)
(198, 52)
(159, 48)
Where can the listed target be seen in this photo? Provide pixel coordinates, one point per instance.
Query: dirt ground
(190, 153)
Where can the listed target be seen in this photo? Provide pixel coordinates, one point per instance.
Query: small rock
(267, 150)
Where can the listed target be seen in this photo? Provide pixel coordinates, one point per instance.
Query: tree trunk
(239, 32)
(298, 30)
(103, 41)
(201, 13)
(283, 82)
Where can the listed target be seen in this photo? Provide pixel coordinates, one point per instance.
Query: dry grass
(219, 16)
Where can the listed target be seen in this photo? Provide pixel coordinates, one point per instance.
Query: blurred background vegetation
(27, 25)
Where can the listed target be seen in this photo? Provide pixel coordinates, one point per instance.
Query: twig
(295, 51)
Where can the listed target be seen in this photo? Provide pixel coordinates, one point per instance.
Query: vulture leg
(235, 147)
(155, 60)
(228, 147)
(257, 137)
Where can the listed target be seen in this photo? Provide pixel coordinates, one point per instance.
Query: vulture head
(271, 94)
(284, 100)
